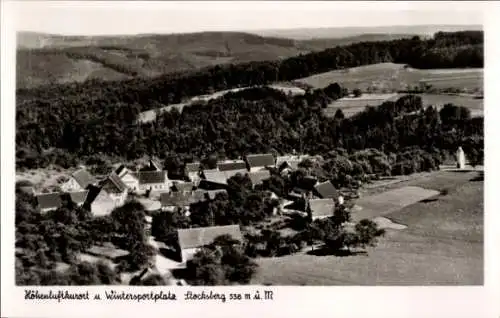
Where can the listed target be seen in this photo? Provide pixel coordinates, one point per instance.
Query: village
(150, 185)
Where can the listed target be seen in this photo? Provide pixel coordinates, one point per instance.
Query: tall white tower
(460, 158)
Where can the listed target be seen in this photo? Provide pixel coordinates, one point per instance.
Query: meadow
(442, 244)
(390, 77)
(351, 106)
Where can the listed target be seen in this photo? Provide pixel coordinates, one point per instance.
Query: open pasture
(352, 105)
(442, 244)
(390, 201)
(391, 77)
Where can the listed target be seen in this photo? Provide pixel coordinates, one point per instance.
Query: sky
(114, 17)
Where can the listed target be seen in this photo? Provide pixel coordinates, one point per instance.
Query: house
(258, 162)
(326, 190)
(79, 197)
(115, 188)
(320, 208)
(258, 177)
(128, 177)
(232, 165)
(286, 164)
(79, 180)
(99, 202)
(173, 200)
(49, 201)
(215, 179)
(185, 187)
(154, 181)
(191, 240)
(192, 171)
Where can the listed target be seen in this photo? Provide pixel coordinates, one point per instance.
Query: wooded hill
(44, 59)
(66, 124)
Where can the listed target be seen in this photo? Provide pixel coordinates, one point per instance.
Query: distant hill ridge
(47, 59)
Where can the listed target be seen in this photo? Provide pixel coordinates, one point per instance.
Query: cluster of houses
(311, 197)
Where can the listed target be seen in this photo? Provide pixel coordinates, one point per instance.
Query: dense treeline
(66, 124)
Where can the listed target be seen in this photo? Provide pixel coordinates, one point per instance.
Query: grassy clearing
(443, 245)
(43, 178)
(351, 106)
(390, 201)
(393, 77)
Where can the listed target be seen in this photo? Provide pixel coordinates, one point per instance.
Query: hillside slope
(47, 59)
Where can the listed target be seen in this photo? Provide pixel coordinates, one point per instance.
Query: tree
(357, 92)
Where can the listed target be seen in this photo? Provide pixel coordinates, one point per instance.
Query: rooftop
(260, 160)
(202, 236)
(151, 177)
(49, 200)
(83, 178)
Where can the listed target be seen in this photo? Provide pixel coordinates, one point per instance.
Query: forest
(75, 122)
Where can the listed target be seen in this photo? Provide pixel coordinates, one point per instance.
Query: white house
(115, 188)
(128, 177)
(154, 181)
(78, 181)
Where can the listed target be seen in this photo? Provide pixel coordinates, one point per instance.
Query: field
(390, 77)
(351, 106)
(43, 178)
(442, 244)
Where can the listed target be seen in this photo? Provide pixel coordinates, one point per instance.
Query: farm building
(49, 201)
(116, 189)
(325, 190)
(128, 177)
(258, 177)
(258, 162)
(192, 171)
(153, 181)
(185, 187)
(99, 202)
(215, 179)
(153, 165)
(320, 208)
(79, 180)
(173, 200)
(231, 165)
(288, 163)
(191, 240)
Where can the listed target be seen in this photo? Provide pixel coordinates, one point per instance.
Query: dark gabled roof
(322, 207)
(78, 197)
(326, 190)
(231, 165)
(49, 200)
(178, 199)
(261, 160)
(155, 163)
(202, 236)
(120, 169)
(151, 177)
(182, 186)
(192, 167)
(84, 178)
(114, 184)
(259, 176)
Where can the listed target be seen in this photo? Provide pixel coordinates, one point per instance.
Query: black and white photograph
(224, 145)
